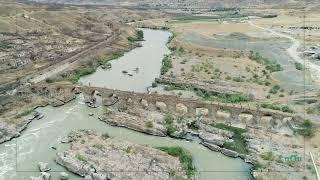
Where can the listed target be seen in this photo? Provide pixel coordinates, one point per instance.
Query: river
(147, 59)
(19, 157)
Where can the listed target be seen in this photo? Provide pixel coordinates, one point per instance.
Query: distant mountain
(184, 3)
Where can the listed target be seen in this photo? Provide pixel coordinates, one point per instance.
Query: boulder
(43, 167)
(57, 103)
(36, 178)
(99, 176)
(65, 140)
(229, 152)
(73, 165)
(45, 175)
(202, 112)
(181, 108)
(211, 138)
(90, 114)
(144, 103)
(129, 100)
(223, 115)
(161, 106)
(211, 146)
(64, 176)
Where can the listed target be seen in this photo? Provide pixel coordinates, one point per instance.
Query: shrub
(239, 143)
(183, 61)
(49, 80)
(274, 89)
(283, 108)
(299, 66)
(267, 156)
(81, 72)
(314, 110)
(105, 60)
(138, 36)
(154, 84)
(271, 66)
(267, 83)
(166, 64)
(307, 129)
(169, 124)
(184, 157)
(81, 157)
(105, 136)
(237, 79)
(168, 119)
(274, 67)
(193, 125)
(149, 124)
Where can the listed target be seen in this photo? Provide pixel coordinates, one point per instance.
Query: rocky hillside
(34, 37)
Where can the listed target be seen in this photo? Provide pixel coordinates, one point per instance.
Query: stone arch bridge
(234, 114)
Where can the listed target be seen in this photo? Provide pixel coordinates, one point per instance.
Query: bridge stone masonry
(233, 114)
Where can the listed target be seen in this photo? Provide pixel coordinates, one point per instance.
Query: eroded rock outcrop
(150, 122)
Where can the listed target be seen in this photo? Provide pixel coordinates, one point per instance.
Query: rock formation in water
(101, 157)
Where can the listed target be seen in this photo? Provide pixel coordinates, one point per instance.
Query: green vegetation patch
(278, 107)
(211, 96)
(166, 64)
(299, 66)
(268, 156)
(138, 37)
(239, 143)
(274, 89)
(81, 157)
(314, 109)
(270, 66)
(168, 120)
(149, 124)
(78, 73)
(105, 60)
(307, 129)
(105, 136)
(184, 156)
(225, 98)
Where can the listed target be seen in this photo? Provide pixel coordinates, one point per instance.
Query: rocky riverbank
(160, 121)
(9, 131)
(266, 149)
(94, 156)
